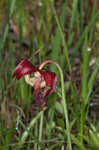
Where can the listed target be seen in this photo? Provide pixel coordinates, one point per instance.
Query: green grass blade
(81, 15)
(56, 40)
(84, 86)
(41, 129)
(31, 124)
(92, 16)
(10, 12)
(87, 29)
(72, 22)
(63, 40)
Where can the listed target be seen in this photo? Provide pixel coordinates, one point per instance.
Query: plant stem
(41, 129)
(63, 98)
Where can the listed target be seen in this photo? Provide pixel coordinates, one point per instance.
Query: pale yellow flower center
(37, 79)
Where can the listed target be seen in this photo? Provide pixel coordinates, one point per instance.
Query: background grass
(66, 31)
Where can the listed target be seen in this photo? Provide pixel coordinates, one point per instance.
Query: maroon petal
(50, 79)
(40, 96)
(23, 68)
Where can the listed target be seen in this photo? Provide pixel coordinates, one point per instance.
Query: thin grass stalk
(63, 99)
(74, 139)
(63, 40)
(84, 87)
(87, 29)
(72, 21)
(56, 40)
(41, 129)
(10, 12)
(92, 78)
(35, 133)
(74, 11)
(50, 118)
(81, 16)
(31, 124)
(92, 16)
